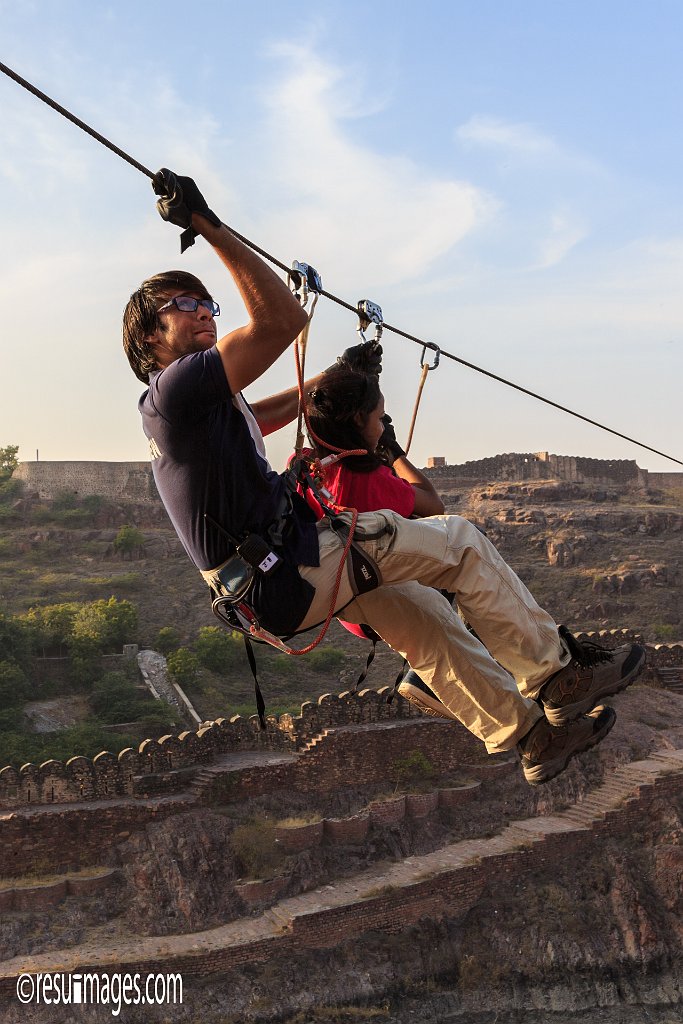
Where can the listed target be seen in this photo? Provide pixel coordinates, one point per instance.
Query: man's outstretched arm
(275, 316)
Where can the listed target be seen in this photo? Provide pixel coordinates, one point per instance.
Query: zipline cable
(328, 295)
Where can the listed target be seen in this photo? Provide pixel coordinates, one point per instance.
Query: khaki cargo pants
(488, 686)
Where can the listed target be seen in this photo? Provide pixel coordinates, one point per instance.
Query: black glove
(366, 357)
(180, 198)
(387, 442)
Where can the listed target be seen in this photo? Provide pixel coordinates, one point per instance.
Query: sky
(503, 179)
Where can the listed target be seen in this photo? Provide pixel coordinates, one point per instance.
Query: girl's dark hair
(140, 317)
(332, 407)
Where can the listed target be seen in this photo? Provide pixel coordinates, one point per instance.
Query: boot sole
(435, 709)
(538, 774)
(569, 713)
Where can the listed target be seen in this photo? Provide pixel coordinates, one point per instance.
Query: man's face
(181, 332)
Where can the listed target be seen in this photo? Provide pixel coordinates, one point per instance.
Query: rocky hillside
(595, 557)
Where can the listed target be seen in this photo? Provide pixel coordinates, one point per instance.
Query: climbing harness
(232, 583)
(426, 367)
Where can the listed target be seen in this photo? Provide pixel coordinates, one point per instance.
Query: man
(528, 688)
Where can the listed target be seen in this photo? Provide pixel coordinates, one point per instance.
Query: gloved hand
(366, 357)
(180, 198)
(387, 442)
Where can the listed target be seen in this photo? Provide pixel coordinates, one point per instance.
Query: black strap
(398, 680)
(260, 703)
(371, 658)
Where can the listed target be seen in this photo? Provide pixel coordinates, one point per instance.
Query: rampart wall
(162, 766)
(544, 466)
(129, 481)
(666, 480)
(449, 883)
(133, 481)
(159, 766)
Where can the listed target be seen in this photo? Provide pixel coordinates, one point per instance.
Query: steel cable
(328, 295)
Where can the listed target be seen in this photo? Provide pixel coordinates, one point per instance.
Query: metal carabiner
(304, 279)
(369, 313)
(437, 355)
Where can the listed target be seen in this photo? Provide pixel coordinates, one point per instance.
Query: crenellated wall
(133, 481)
(543, 466)
(161, 766)
(109, 776)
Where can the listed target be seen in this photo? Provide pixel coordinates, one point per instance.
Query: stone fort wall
(119, 481)
(133, 481)
(544, 466)
(161, 767)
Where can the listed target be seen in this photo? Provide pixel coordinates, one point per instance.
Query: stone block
(421, 805)
(388, 812)
(294, 838)
(457, 796)
(347, 830)
(260, 890)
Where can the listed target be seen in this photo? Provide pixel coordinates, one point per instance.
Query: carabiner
(303, 279)
(369, 313)
(437, 355)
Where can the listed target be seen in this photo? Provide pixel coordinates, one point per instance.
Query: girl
(346, 409)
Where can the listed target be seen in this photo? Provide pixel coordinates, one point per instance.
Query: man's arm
(275, 316)
(279, 410)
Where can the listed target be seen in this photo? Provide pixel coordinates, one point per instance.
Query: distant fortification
(542, 466)
(127, 481)
(133, 481)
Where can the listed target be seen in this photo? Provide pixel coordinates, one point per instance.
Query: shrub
(183, 666)
(168, 639)
(14, 686)
(326, 659)
(128, 540)
(217, 649)
(254, 846)
(413, 769)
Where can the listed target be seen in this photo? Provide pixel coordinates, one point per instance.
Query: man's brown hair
(140, 317)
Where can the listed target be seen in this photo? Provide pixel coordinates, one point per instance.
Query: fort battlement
(162, 766)
(544, 466)
(133, 481)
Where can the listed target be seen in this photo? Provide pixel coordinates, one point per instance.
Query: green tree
(104, 625)
(51, 626)
(183, 666)
(17, 639)
(168, 639)
(14, 686)
(8, 461)
(128, 541)
(217, 649)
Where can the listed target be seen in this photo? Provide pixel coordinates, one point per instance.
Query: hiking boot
(546, 751)
(414, 690)
(592, 674)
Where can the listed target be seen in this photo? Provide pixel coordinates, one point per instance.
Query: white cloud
(520, 137)
(564, 233)
(349, 200)
(523, 143)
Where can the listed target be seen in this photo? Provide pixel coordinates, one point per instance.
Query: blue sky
(504, 179)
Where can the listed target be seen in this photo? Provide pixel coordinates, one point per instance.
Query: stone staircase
(315, 741)
(206, 776)
(671, 678)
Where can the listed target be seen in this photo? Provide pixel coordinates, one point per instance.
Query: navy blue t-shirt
(208, 458)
